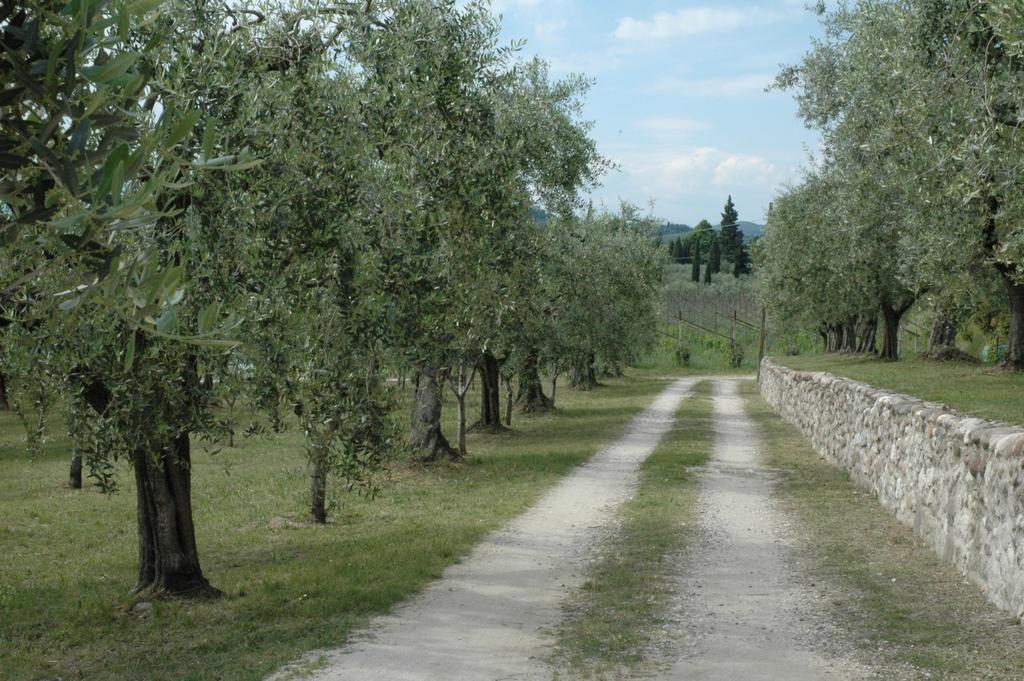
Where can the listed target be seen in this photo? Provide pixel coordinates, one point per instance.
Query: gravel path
(486, 618)
(746, 611)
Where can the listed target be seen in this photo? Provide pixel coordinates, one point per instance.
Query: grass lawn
(615, 620)
(68, 558)
(907, 611)
(970, 388)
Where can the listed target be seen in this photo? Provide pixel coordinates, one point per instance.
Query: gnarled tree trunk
(849, 336)
(490, 387)
(318, 492)
(1015, 345)
(460, 386)
(168, 559)
(426, 438)
(507, 382)
(75, 470)
(867, 333)
(4, 402)
(892, 315)
(943, 334)
(582, 374)
(531, 393)
(1014, 289)
(835, 334)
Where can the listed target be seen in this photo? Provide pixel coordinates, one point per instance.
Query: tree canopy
(913, 193)
(293, 204)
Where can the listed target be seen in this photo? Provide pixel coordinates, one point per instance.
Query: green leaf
(95, 102)
(113, 68)
(70, 304)
(117, 183)
(9, 235)
(144, 7)
(172, 277)
(181, 128)
(68, 224)
(167, 321)
(129, 352)
(123, 24)
(209, 138)
(208, 317)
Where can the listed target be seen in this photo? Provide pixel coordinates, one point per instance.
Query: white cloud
(740, 170)
(691, 21)
(673, 126)
(674, 172)
(727, 86)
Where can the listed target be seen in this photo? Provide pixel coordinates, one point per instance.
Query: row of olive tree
(296, 199)
(918, 186)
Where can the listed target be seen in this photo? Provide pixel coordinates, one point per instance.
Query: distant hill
(671, 229)
(750, 230)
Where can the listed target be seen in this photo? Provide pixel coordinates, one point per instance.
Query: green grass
(902, 606)
(67, 558)
(614, 621)
(970, 388)
(704, 358)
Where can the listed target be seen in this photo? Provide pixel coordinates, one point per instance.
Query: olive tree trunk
(582, 373)
(834, 338)
(506, 380)
(490, 386)
(867, 334)
(4, 402)
(168, 558)
(942, 338)
(943, 334)
(850, 336)
(531, 393)
(317, 492)
(460, 386)
(426, 438)
(1015, 344)
(75, 471)
(891, 316)
(1014, 289)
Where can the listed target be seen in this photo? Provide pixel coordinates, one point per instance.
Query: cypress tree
(742, 263)
(673, 250)
(684, 250)
(695, 267)
(730, 235)
(715, 258)
(707, 271)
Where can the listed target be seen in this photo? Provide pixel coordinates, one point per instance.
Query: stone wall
(955, 479)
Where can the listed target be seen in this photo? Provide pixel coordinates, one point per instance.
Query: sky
(678, 100)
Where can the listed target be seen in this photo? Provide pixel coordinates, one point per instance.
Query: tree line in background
(916, 197)
(290, 205)
(706, 249)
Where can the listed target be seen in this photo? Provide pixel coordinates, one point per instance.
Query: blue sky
(678, 100)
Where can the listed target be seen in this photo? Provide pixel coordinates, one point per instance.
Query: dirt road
(487, 617)
(745, 609)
